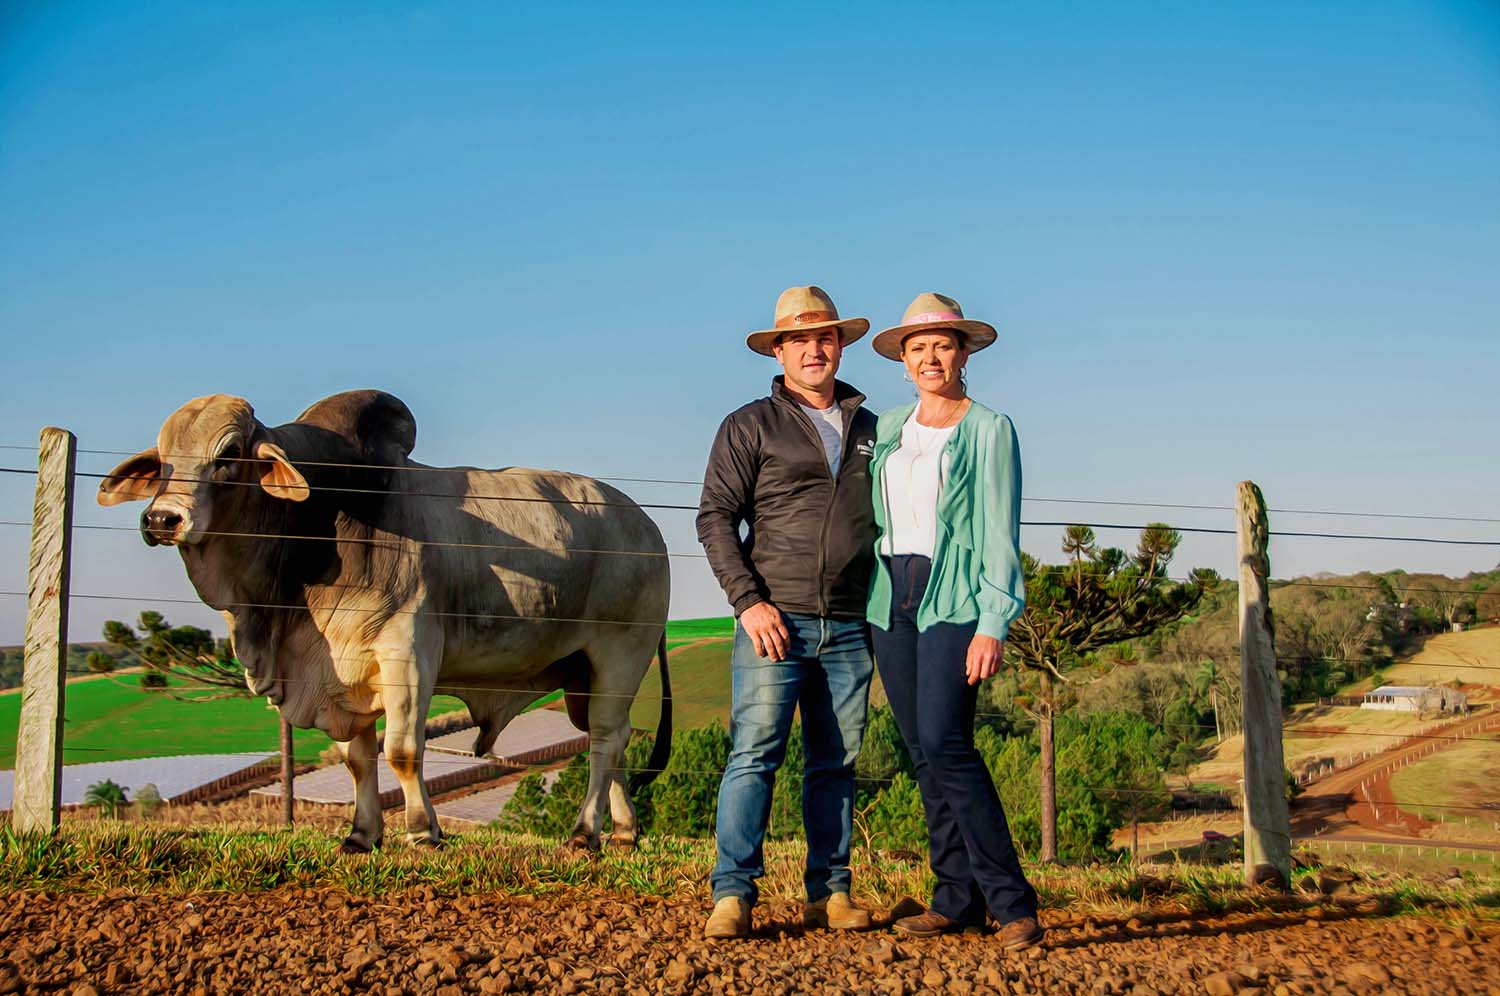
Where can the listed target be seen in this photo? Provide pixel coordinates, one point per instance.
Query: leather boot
(837, 912)
(729, 920)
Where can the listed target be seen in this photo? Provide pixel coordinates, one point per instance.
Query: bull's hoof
(582, 842)
(621, 842)
(353, 845)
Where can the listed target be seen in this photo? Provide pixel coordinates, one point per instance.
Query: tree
(1487, 604)
(205, 669)
(108, 796)
(1206, 682)
(99, 662)
(1102, 597)
(190, 654)
(148, 800)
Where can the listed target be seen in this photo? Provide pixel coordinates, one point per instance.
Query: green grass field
(111, 718)
(1464, 775)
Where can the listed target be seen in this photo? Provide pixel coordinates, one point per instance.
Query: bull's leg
(408, 656)
(609, 729)
(405, 742)
(621, 813)
(369, 822)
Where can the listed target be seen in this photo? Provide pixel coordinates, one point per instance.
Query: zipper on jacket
(833, 479)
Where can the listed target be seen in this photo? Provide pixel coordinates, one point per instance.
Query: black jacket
(810, 544)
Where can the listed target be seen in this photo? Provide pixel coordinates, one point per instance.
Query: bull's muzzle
(160, 525)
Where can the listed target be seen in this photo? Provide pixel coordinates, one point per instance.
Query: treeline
(1109, 773)
(12, 661)
(1331, 631)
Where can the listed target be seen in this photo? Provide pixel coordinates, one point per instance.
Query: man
(793, 468)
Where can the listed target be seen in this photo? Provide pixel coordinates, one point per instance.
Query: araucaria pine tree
(1099, 598)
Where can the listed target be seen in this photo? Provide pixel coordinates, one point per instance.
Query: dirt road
(324, 942)
(1358, 799)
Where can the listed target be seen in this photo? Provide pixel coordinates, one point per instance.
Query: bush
(109, 797)
(148, 800)
(896, 820)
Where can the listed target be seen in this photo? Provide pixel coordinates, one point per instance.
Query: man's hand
(766, 629)
(985, 653)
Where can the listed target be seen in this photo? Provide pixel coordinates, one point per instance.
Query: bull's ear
(281, 479)
(135, 479)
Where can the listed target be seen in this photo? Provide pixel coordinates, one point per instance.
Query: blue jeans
(969, 842)
(827, 673)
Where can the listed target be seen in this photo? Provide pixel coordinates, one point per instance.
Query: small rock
(934, 978)
(1361, 971)
(1223, 984)
(880, 952)
(10, 977)
(678, 972)
(84, 989)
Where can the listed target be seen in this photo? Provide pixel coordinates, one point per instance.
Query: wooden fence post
(287, 770)
(37, 804)
(1268, 841)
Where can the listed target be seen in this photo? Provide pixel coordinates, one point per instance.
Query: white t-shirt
(830, 425)
(911, 481)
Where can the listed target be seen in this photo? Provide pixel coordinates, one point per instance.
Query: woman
(946, 477)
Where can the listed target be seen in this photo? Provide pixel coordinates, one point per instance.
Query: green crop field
(111, 718)
(1460, 784)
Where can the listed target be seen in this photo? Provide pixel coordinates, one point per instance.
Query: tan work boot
(729, 920)
(1022, 933)
(837, 912)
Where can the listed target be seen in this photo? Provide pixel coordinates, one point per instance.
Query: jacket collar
(845, 396)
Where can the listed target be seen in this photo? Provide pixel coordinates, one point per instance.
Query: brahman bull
(357, 582)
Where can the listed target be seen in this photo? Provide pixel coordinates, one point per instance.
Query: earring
(906, 376)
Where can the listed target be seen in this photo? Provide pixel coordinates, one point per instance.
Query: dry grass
(1471, 657)
(1347, 731)
(103, 855)
(1439, 787)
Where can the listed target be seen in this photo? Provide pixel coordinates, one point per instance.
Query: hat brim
(977, 335)
(850, 330)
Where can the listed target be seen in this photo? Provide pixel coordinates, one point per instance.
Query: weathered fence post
(287, 770)
(37, 803)
(1268, 841)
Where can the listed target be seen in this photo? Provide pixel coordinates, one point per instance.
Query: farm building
(1415, 698)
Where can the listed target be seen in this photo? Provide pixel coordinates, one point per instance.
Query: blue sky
(1220, 241)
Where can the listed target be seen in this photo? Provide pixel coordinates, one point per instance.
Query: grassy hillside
(113, 719)
(1314, 731)
(1464, 775)
(1471, 657)
(110, 718)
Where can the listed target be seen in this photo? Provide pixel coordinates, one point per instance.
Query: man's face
(810, 359)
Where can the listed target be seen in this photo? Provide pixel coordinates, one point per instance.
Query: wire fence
(415, 475)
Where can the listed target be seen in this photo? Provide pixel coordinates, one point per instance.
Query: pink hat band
(933, 316)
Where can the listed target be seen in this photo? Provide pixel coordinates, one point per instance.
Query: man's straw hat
(931, 313)
(802, 309)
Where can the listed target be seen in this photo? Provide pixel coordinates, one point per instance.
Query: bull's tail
(661, 752)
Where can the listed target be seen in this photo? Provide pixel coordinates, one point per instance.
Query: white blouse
(911, 481)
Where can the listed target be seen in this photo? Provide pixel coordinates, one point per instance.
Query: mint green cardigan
(976, 562)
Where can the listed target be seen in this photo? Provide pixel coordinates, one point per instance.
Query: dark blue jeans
(827, 674)
(973, 856)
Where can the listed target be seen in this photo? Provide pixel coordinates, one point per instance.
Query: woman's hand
(985, 653)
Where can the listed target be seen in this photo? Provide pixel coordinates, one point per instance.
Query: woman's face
(933, 359)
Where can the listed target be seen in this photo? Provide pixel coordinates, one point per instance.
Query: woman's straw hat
(802, 309)
(932, 313)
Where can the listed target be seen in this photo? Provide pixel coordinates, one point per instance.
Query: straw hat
(802, 309)
(934, 312)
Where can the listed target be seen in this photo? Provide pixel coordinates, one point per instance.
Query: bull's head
(211, 456)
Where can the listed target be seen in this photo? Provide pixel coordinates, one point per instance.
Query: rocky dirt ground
(320, 941)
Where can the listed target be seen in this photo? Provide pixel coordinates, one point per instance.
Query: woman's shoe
(931, 924)
(1022, 933)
